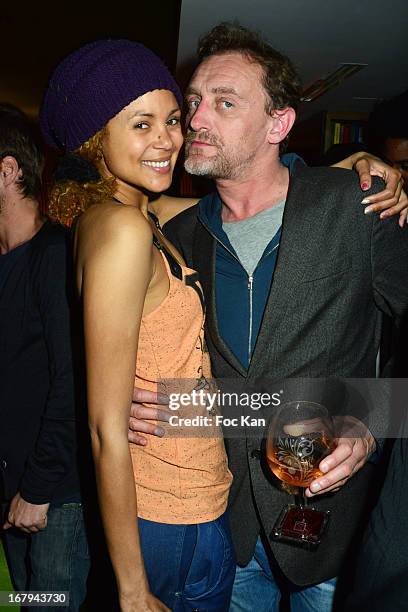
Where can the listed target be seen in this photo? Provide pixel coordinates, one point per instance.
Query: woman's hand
(392, 200)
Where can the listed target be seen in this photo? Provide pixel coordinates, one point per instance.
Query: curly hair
(69, 198)
(280, 79)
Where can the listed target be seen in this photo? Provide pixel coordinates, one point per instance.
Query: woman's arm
(167, 207)
(116, 273)
(392, 200)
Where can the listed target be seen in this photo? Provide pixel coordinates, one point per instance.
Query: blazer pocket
(327, 269)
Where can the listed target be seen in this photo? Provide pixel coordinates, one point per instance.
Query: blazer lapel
(289, 267)
(204, 260)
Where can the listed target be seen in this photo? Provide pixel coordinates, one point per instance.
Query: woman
(115, 104)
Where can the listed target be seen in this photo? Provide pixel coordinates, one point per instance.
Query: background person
(43, 529)
(388, 138)
(388, 133)
(379, 579)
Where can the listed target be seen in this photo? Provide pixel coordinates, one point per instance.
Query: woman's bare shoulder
(108, 224)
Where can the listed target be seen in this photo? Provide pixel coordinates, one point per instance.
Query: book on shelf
(344, 132)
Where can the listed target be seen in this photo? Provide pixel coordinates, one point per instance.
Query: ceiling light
(321, 86)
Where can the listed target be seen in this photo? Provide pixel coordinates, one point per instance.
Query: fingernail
(324, 468)
(160, 432)
(314, 487)
(365, 201)
(364, 186)
(384, 215)
(368, 210)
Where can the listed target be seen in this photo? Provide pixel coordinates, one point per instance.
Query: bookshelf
(344, 128)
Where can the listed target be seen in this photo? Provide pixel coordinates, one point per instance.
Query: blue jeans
(189, 567)
(55, 559)
(256, 589)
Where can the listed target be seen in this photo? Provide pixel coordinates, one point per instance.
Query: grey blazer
(337, 271)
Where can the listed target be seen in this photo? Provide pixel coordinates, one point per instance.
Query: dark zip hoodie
(240, 299)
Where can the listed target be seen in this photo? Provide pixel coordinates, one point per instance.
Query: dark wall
(35, 36)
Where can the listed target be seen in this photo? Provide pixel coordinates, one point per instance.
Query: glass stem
(302, 497)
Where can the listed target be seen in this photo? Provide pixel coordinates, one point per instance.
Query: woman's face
(142, 142)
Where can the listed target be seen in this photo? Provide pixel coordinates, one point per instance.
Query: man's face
(396, 153)
(227, 125)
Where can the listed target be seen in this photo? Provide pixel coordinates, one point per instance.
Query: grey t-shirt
(251, 236)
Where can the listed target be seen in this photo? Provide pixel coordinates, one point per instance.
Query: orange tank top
(179, 478)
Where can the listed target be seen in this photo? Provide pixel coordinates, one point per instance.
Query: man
(294, 298)
(380, 580)
(43, 528)
(388, 138)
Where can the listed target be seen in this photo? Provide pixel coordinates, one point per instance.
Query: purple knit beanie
(96, 82)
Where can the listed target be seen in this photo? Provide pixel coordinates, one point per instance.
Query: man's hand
(140, 415)
(392, 200)
(30, 518)
(354, 446)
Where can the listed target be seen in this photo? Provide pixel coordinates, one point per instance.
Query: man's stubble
(222, 165)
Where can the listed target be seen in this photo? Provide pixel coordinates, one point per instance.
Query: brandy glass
(300, 434)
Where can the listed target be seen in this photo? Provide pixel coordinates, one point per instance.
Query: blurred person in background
(43, 526)
(388, 133)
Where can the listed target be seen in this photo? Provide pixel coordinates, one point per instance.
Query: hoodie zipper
(250, 285)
